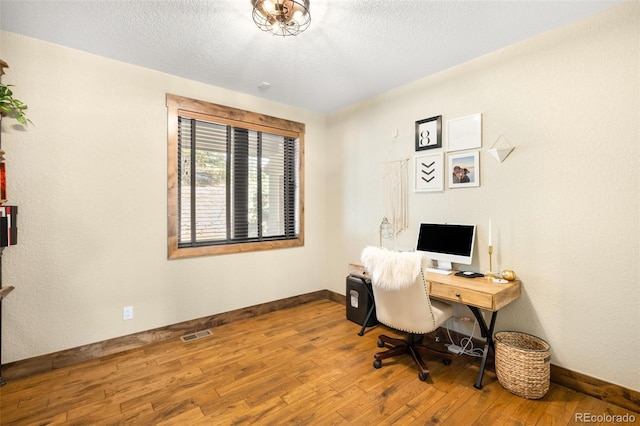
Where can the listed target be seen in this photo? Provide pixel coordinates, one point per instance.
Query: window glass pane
(209, 210)
(184, 180)
(210, 174)
(296, 165)
(291, 188)
(238, 184)
(272, 185)
(253, 193)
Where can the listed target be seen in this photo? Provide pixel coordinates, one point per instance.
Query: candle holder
(490, 275)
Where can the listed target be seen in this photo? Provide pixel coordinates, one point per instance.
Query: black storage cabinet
(359, 301)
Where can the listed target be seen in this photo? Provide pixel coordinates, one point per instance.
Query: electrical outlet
(127, 313)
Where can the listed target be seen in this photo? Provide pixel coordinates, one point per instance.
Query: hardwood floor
(303, 365)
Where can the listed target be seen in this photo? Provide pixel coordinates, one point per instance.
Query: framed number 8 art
(429, 133)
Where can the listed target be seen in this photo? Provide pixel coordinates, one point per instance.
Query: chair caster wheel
(380, 343)
(446, 361)
(377, 363)
(422, 376)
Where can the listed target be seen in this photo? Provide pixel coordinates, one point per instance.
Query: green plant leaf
(12, 107)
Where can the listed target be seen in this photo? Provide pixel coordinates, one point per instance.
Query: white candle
(490, 242)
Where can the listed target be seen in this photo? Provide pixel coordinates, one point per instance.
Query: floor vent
(196, 335)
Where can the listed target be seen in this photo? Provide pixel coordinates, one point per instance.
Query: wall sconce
(501, 149)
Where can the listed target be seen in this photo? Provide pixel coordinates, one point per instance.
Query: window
(235, 180)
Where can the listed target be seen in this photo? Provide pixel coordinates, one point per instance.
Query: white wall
(564, 204)
(90, 180)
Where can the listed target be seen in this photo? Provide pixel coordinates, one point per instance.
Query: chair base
(411, 346)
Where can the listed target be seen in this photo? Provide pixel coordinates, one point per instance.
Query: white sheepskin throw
(392, 270)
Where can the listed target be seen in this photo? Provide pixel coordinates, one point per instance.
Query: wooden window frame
(182, 106)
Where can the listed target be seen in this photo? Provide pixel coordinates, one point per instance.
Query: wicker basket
(522, 364)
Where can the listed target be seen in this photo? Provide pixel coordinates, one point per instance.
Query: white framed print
(464, 133)
(429, 172)
(464, 169)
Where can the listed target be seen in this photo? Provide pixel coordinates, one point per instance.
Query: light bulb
(277, 28)
(268, 6)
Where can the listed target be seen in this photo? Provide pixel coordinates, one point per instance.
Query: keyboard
(440, 271)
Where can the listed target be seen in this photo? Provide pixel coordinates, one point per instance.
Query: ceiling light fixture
(282, 17)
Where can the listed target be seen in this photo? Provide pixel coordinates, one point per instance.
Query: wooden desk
(476, 293)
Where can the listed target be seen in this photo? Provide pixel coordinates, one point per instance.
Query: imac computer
(447, 243)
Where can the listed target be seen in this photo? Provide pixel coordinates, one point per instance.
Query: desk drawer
(461, 295)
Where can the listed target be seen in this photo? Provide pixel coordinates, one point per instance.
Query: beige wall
(564, 204)
(90, 179)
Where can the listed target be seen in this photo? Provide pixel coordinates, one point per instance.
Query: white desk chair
(402, 302)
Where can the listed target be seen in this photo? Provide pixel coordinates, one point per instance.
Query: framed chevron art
(429, 172)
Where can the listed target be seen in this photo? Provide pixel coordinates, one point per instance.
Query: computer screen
(447, 243)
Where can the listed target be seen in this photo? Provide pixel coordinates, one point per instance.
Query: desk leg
(487, 333)
(371, 309)
(366, 321)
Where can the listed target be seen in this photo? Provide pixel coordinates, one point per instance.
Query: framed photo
(464, 169)
(429, 172)
(464, 133)
(429, 133)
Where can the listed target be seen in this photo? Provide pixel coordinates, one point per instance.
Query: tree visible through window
(234, 185)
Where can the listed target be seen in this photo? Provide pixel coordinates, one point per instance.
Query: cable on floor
(466, 344)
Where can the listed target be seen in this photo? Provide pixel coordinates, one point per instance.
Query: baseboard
(608, 392)
(40, 364)
(611, 393)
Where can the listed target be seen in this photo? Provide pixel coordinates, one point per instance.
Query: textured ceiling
(354, 49)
